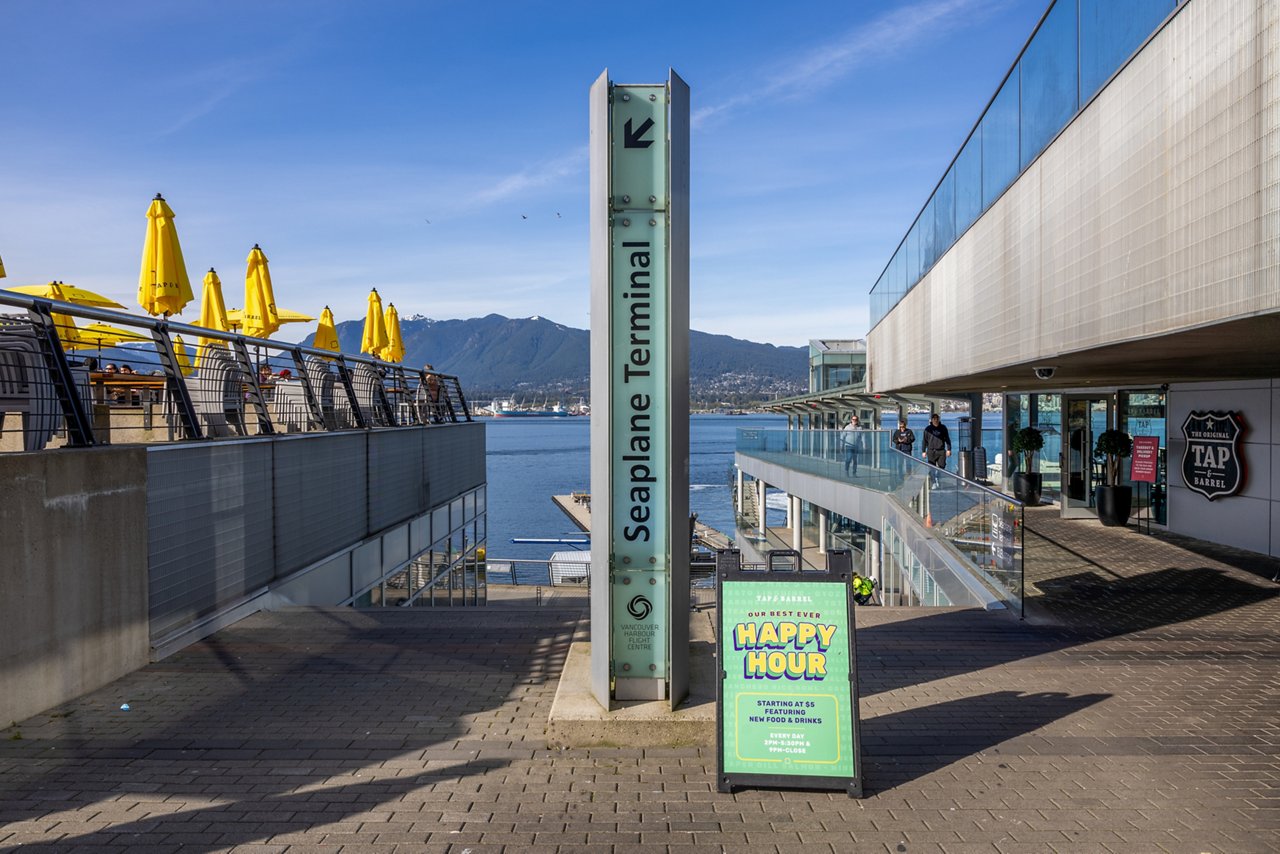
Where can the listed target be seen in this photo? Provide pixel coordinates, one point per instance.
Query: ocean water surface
(532, 459)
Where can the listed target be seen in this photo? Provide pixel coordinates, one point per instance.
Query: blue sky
(403, 144)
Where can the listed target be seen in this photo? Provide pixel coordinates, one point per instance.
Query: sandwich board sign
(787, 697)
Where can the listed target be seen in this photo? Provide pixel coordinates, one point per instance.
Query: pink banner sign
(1146, 453)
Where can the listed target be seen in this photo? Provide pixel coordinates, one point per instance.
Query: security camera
(1045, 372)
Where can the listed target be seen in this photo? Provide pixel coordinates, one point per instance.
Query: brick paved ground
(1134, 711)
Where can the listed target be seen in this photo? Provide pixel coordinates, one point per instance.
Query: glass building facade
(836, 364)
(1077, 47)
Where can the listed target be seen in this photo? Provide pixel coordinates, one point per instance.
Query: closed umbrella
(1, 268)
(394, 351)
(260, 316)
(163, 286)
(375, 327)
(213, 314)
(69, 293)
(327, 332)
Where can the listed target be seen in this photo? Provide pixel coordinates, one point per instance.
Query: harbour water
(532, 459)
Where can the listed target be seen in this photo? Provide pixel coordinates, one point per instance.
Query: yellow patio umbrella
(1, 268)
(163, 286)
(327, 332)
(180, 352)
(394, 351)
(69, 293)
(213, 314)
(260, 315)
(101, 335)
(65, 324)
(375, 327)
(235, 317)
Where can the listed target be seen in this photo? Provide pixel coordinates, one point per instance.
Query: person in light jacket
(853, 441)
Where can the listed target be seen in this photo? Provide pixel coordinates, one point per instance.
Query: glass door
(1085, 418)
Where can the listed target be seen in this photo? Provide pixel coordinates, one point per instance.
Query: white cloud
(535, 177)
(827, 64)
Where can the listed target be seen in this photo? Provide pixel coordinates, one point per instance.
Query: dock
(577, 506)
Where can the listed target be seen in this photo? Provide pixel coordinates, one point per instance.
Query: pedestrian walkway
(1134, 711)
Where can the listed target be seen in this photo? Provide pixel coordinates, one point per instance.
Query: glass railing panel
(982, 526)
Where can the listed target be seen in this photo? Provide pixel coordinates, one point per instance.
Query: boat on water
(508, 408)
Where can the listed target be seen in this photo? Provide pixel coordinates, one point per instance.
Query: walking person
(937, 445)
(904, 441)
(853, 440)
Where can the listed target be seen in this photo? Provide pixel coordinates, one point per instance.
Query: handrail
(969, 484)
(233, 386)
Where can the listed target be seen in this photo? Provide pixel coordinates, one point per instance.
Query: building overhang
(1247, 348)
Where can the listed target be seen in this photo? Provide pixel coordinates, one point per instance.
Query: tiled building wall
(1156, 209)
(1250, 519)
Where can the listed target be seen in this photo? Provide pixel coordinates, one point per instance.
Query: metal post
(308, 390)
(79, 425)
(344, 374)
(797, 543)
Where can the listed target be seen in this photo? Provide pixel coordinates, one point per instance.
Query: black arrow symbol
(635, 139)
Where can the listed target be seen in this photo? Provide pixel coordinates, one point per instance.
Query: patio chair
(366, 381)
(25, 388)
(321, 375)
(219, 393)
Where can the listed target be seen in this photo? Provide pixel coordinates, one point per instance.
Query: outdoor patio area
(1134, 710)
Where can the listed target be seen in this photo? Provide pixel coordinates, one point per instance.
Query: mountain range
(533, 355)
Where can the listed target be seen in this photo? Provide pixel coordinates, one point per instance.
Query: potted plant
(1114, 501)
(1027, 442)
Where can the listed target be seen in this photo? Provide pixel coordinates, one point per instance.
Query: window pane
(968, 171)
(944, 213)
(1000, 142)
(913, 257)
(1049, 73)
(1109, 34)
(928, 244)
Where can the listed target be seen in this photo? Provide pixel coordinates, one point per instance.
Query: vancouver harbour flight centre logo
(1211, 462)
(639, 608)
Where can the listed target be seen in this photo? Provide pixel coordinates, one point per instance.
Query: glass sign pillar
(640, 535)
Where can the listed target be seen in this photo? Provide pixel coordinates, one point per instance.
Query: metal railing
(566, 572)
(982, 527)
(74, 375)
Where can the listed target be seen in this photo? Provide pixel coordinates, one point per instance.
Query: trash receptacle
(965, 467)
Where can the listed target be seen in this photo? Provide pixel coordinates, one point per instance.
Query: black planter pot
(1114, 505)
(1027, 488)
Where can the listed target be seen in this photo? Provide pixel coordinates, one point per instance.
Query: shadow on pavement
(903, 746)
(282, 723)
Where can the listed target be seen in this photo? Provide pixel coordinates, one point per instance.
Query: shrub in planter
(1027, 485)
(1114, 501)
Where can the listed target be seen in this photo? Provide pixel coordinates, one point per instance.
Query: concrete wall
(1157, 209)
(109, 550)
(73, 584)
(1251, 519)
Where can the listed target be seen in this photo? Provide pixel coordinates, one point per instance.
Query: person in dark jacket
(904, 440)
(936, 445)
